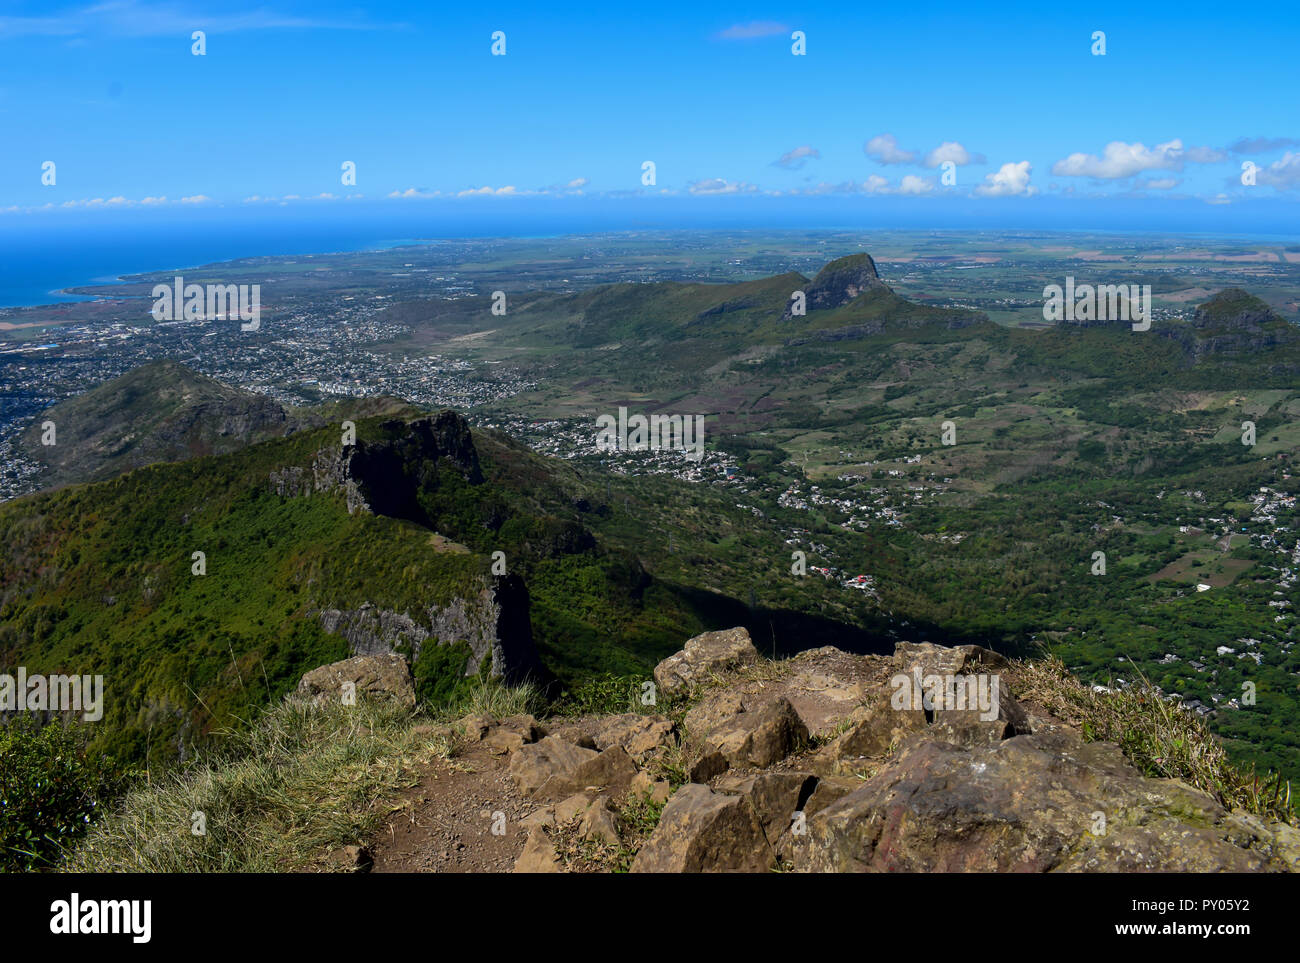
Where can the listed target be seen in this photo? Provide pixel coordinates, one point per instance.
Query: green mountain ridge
(312, 550)
(161, 412)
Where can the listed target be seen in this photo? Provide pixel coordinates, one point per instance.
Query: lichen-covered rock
(703, 656)
(774, 796)
(539, 855)
(638, 734)
(711, 711)
(548, 766)
(761, 737)
(871, 732)
(644, 784)
(513, 733)
(1031, 803)
(387, 676)
(701, 831)
(610, 769)
(928, 658)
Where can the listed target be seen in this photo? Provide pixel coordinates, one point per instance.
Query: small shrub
(51, 790)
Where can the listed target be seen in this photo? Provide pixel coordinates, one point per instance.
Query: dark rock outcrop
(839, 282)
(853, 280)
(386, 475)
(1232, 322)
(494, 623)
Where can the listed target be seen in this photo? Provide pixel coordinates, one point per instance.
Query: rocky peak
(840, 281)
(1231, 322)
(1235, 309)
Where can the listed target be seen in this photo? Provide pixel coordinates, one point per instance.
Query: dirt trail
(445, 823)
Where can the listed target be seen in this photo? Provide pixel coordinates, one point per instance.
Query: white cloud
(1009, 180)
(486, 191)
(1157, 183)
(196, 199)
(578, 183)
(1120, 160)
(911, 184)
(875, 184)
(950, 150)
(1283, 174)
(884, 149)
(716, 185)
(795, 159)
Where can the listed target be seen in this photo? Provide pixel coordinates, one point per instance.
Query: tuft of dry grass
(1157, 735)
(303, 781)
(495, 698)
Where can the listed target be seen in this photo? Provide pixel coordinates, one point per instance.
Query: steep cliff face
(385, 475)
(494, 623)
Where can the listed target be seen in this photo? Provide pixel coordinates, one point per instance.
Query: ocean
(43, 252)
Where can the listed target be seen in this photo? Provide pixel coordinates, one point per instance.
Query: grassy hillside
(1069, 441)
(99, 579)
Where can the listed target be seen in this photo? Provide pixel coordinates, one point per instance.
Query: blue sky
(410, 92)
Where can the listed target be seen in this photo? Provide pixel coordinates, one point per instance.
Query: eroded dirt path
(445, 824)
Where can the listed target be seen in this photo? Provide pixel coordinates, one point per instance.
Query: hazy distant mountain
(1231, 322)
(162, 412)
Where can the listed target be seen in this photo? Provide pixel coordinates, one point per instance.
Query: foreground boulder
(549, 767)
(776, 798)
(759, 738)
(870, 734)
(701, 831)
(639, 735)
(703, 656)
(385, 676)
(501, 735)
(929, 658)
